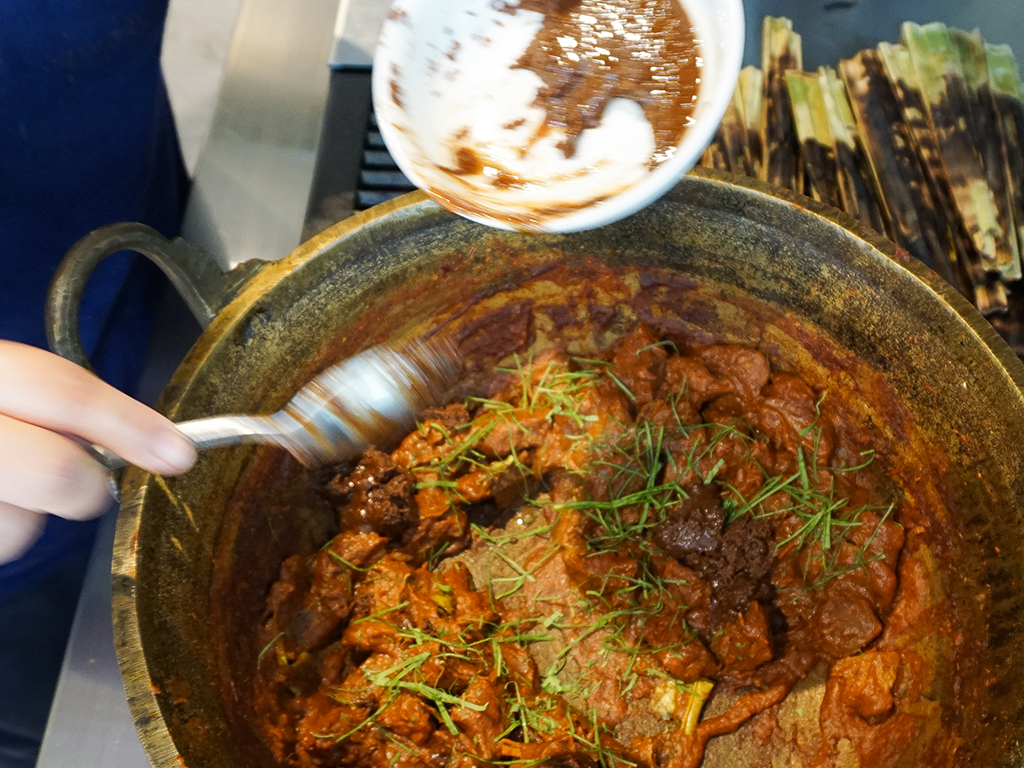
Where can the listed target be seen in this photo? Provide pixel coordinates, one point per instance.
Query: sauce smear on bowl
(591, 51)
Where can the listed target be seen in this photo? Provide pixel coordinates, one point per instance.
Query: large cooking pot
(717, 259)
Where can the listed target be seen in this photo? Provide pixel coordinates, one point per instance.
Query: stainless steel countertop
(89, 722)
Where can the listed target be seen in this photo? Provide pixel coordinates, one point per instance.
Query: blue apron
(86, 139)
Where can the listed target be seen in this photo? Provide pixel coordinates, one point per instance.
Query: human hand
(45, 403)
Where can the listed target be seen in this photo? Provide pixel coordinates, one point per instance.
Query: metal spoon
(368, 399)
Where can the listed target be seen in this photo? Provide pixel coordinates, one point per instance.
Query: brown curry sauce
(558, 574)
(589, 52)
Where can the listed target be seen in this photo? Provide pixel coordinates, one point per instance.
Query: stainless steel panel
(356, 31)
(254, 173)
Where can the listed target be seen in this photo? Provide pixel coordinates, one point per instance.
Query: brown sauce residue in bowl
(591, 51)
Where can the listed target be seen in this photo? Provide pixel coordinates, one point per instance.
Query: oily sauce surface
(608, 561)
(591, 51)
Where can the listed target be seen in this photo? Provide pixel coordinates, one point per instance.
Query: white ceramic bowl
(442, 66)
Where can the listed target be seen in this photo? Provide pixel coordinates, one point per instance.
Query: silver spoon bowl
(369, 399)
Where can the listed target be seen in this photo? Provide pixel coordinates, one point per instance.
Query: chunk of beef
(688, 662)
(377, 496)
(745, 369)
(640, 364)
(691, 379)
(845, 622)
(745, 642)
(313, 597)
(450, 417)
(863, 684)
(788, 413)
(734, 559)
(573, 760)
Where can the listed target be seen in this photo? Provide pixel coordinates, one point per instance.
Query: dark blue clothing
(86, 139)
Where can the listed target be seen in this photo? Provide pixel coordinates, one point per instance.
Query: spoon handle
(362, 401)
(212, 432)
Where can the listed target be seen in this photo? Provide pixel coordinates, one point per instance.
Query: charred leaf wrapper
(919, 140)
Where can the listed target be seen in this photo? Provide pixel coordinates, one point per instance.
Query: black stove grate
(379, 176)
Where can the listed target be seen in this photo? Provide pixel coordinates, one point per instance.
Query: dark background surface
(834, 29)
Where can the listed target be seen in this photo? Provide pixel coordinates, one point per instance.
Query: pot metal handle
(192, 271)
